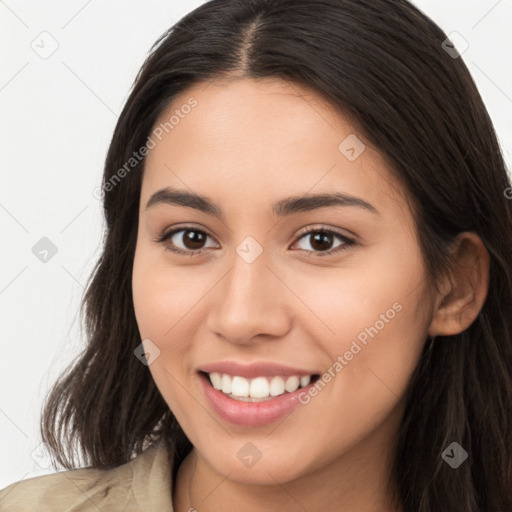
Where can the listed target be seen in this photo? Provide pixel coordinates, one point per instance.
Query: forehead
(246, 113)
(263, 137)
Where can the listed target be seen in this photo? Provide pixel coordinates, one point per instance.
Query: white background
(57, 117)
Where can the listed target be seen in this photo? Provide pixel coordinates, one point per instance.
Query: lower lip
(250, 414)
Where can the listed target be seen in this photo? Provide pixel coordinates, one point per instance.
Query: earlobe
(464, 291)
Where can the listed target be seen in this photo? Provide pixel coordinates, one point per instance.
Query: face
(264, 290)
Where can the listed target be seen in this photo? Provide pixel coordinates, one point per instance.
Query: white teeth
(226, 384)
(239, 386)
(292, 383)
(257, 388)
(276, 386)
(216, 380)
(304, 381)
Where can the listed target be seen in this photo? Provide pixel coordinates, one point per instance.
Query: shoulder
(141, 484)
(75, 490)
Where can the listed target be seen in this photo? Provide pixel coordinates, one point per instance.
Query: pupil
(322, 239)
(194, 238)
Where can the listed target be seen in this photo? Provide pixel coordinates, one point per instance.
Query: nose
(251, 300)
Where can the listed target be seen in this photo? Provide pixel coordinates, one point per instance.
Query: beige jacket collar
(141, 485)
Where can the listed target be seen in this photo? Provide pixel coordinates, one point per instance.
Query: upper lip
(252, 370)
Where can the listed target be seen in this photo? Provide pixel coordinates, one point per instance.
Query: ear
(464, 291)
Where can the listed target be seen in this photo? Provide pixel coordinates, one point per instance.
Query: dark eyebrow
(310, 202)
(287, 206)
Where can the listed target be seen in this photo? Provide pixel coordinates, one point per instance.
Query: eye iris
(193, 239)
(321, 238)
(320, 241)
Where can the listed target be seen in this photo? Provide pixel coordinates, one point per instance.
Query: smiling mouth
(258, 389)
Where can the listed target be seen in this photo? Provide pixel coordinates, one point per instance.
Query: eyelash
(347, 242)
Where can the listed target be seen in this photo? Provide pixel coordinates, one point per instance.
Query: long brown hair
(383, 63)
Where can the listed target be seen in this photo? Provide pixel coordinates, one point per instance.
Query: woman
(304, 300)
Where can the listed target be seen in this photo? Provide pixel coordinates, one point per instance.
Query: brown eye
(321, 242)
(193, 239)
(189, 241)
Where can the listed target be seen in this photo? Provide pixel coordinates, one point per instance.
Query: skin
(247, 144)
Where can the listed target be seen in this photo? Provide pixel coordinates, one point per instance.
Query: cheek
(374, 320)
(162, 294)
(378, 294)
(162, 301)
